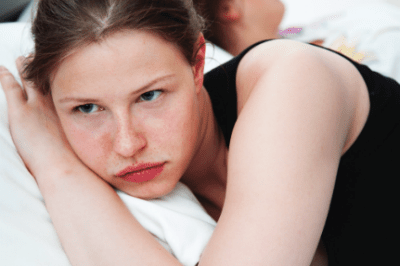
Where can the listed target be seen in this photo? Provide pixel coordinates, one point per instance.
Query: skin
(281, 165)
(243, 23)
(123, 127)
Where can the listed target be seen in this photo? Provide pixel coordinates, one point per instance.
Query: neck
(207, 172)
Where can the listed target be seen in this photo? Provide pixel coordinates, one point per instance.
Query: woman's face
(127, 104)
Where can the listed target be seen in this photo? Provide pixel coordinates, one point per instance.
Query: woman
(114, 96)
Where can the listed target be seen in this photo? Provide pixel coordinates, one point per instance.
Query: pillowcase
(27, 236)
(215, 56)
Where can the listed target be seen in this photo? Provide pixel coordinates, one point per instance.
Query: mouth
(141, 173)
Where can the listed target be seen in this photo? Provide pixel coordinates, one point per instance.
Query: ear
(198, 67)
(229, 11)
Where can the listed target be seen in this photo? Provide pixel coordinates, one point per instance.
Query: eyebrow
(138, 91)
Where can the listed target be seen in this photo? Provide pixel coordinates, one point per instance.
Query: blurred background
(367, 31)
(11, 10)
(303, 12)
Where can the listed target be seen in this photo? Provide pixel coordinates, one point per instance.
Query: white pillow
(215, 56)
(27, 236)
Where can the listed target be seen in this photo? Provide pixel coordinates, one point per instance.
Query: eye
(88, 108)
(150, 96)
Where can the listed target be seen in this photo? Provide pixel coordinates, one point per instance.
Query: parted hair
(62, 26)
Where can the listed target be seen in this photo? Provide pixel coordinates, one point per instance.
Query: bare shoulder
(288, 57)
(292, 62)
(268, 54)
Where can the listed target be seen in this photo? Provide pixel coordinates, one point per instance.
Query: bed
(181, 225)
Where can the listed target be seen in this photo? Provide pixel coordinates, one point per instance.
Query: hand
(34, 124)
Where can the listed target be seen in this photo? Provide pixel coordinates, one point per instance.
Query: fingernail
(2, 69)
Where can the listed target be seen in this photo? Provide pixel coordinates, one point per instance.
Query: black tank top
(363, 220)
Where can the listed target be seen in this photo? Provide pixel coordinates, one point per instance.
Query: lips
(141, 172)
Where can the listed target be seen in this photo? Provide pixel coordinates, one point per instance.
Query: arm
(93, 224)
(95, 227)
(295, 114)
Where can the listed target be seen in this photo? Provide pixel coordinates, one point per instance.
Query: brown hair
(61, 26)
(208, 9)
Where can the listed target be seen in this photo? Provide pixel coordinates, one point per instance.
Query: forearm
(93, 224)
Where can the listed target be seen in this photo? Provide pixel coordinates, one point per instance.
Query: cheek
(181, 127)
(90, 145)
(169, 129)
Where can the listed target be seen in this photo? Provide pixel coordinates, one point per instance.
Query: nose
(128, 138)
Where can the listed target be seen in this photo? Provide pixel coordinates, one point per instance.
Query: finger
(27, 86)
(11, 88)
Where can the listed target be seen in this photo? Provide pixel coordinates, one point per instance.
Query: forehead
(122, 58)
